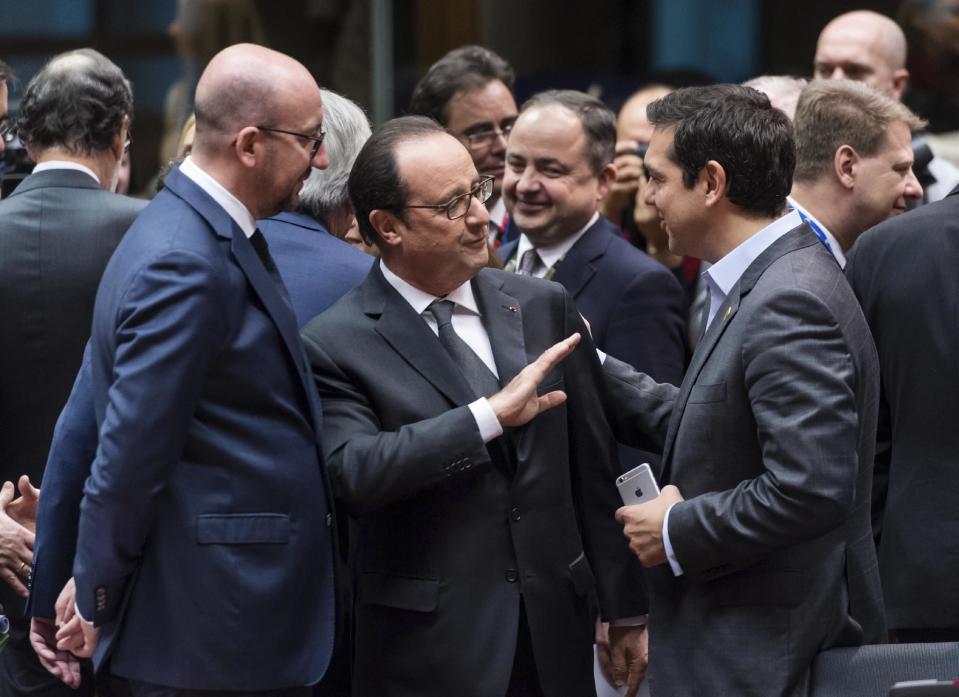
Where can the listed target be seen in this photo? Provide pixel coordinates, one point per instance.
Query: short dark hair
(737, 127)
(77, 102)
(461, 70)
(375, 181)
(597, 119)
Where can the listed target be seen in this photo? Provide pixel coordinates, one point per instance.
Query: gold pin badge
(727, 313)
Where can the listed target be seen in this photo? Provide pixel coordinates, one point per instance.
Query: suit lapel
(577, 267)
(410, 337)
(503, 319)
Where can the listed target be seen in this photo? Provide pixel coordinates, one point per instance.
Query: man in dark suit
(770, 439)
(208, 474)
(57, 232)
(904, 273)
(479, 531)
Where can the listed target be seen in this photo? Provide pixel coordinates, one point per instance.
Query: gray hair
(783, 91)
(347, 129)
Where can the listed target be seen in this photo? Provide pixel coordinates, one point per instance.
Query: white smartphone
(638, 485)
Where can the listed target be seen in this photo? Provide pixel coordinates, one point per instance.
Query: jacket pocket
(581, 575)
(708, 393)
(401, 592)
(243, 528)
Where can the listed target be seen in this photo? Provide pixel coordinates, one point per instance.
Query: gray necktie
(529, 263)
(477, 374)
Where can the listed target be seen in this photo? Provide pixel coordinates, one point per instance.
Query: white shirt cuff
(670, 554)
(637, 621)
(486, 421)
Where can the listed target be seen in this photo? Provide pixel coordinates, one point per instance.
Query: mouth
(530, 206)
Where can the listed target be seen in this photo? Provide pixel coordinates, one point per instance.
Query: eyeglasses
(459, 206)
(317, 140)
(484, 139)
(127, 143)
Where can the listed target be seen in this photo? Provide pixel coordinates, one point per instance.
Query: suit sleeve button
(514, 514)
(512, 576)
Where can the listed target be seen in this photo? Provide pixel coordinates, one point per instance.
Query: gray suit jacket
(770, 439)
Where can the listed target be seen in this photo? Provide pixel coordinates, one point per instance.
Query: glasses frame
(8, 128)
(485, 139)
(317, 140)
(484, 182)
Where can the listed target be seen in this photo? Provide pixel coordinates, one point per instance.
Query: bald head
(246, 85)
(631, 123)
(864, 46)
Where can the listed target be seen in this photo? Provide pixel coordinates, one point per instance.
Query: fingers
(14, 582)
(550, 400)
(634, 678)
(619, 672)
(27, 490)
(552, 357)
(6, 494)
(70, 636)
(66, 603)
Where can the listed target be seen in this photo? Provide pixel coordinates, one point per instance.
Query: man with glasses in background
(470, 92)
(479, 526)
(57, 232)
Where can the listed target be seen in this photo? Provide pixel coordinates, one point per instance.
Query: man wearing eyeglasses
(481, 498)
(205, 525)
(470, 92)
(57, 232)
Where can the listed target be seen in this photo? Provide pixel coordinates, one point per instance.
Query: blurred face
(481, 119)
(3, 111)
(885, 182)
(632, 124)
(682, 211)
(289, 158)
(549, 188)
(852, 50)
(431, 251)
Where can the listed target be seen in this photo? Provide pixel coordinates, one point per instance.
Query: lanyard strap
(815, 228)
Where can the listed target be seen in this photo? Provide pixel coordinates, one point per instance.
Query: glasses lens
(486, 189)
(458, 206)
(479, 140)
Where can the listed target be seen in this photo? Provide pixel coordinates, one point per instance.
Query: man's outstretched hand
(518, 403)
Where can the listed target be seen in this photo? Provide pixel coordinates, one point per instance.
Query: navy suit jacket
(634, 306)
(317, 269)
(207, 507)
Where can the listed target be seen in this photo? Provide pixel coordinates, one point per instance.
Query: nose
(649, 192)
(477, 213)
(837, 73)
(527, 180)
(321, 160)
(913, 188)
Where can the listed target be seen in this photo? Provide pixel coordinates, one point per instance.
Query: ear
(388, 226)
(900, 82)
(247, 146)
(120, 139)
(604, 181)
(845, 162)
(713, 178)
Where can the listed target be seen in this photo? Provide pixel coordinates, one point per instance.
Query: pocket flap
(708, 393)
(242, 528)
(401, 592)
(581, 574)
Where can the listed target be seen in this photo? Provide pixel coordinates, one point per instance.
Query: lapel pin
(511, 308)
(729, 311)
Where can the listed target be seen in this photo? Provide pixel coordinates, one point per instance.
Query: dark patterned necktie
(476, 372)
(530, 263)
(263, 251)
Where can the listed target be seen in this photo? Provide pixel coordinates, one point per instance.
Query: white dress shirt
(468, 325)
(551, 254)
(228, 202)
(721, 277)
(66, 164)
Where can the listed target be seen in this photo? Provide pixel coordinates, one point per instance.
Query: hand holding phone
(638, 485)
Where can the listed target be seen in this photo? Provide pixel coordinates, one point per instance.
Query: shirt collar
(550, 254)
(419, 300)
(66, 164)
(833, 242)
(230, 203)
(726, 272)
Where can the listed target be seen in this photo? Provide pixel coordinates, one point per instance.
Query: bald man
(868, 47)
(206, 542)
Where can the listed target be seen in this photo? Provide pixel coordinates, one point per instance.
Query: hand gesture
(16, 545)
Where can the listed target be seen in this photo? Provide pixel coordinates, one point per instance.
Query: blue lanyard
(815, 228)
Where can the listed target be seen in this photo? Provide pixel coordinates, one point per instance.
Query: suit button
(512, 576)
(329, 520)
(514, 514)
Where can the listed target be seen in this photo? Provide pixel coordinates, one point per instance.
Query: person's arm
(370, 468)
(168, 327)
(801, 384)
(72, 451)
(637, 407)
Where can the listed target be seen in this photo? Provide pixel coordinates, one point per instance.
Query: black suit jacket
(634, 305)
(904, 272)
(448, 536)
(57, 232)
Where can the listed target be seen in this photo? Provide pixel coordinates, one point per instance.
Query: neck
(102, 163)
(427, 282)
(229, 179)
(820, 199)
(732, 232)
